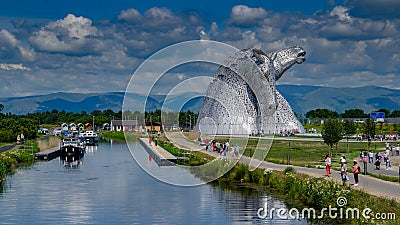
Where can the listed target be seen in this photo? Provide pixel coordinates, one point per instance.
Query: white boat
(72, 147)
(90, 137)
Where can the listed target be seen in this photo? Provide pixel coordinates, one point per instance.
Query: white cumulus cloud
(341, 12)
(11, 49)
(71, 35)
(9, 67)
(245, 16)
(130, 16)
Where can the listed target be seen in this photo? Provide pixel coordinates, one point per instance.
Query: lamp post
(190, 122)
(93, 124)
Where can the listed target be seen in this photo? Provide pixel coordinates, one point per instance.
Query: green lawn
(304, 153)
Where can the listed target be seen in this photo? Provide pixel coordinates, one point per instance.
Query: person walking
(226, 148)
(377, 164)
(328, 163)
(388, 164)
(371, 157)
(356, 171)
(236, 150)
(343, 171)
(219, 148)
(343, 157)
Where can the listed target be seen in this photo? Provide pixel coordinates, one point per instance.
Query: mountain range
(301, 98)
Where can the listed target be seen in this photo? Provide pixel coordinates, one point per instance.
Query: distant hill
(301, 98)
(368, 98)
(76, 102)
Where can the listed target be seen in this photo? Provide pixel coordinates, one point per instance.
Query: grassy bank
(383, 177)
(187, 158)
(19, 156)
(120, 136)
(313, 192)
(303, 153)
(49, 142)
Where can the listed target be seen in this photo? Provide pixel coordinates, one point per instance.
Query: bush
(3, 170)
(6, 136)
(256, 176)
(240, 172)
(289, 170)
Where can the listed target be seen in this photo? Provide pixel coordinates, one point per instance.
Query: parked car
(359, 121)
(56, 132)
(43, 130)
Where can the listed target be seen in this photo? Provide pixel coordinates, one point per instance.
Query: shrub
(3, 170)
(6, 136)
(240, 172)
(289, 170)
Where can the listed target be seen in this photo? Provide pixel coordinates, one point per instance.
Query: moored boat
(72, 146)
(90, 137)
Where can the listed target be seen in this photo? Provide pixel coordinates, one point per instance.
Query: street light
(93, 124)
(190, 122)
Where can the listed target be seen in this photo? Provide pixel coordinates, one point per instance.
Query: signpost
(378, 116)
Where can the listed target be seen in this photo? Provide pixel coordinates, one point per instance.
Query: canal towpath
(367, 184)
(7, 147)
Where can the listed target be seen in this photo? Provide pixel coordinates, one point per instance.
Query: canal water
(108, 187)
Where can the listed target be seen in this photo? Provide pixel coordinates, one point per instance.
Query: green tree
(332, 133)
(96, 113)
(1, 107)
(349, 129)
(395, 113)
(354, 113)
(386, 111)
(322, 114)
(369, 130)
(15, 125)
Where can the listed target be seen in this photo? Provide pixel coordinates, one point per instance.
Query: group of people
(380, 158)
(152, 139)
(383, 158)
(379, 137)
(393, 149)
(20, 139)
(221, 148)
(366, 157)
(343, 169)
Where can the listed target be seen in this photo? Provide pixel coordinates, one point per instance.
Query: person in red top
(356, 170)
(328, 163)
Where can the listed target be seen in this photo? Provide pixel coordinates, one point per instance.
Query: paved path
(366, 183)
(7, 147)
(162, 153)
(309, 138)
(393, 171)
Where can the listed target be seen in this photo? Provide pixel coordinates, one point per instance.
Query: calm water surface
(108, 187)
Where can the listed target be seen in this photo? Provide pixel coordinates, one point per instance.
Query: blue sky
(50, 46)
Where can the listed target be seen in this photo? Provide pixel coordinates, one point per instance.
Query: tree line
(12, 125)
(350, 113)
